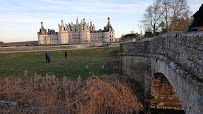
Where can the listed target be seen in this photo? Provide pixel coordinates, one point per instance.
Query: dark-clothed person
(48, 57)
(66, 55)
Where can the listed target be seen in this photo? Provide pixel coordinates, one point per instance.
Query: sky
(20, 20)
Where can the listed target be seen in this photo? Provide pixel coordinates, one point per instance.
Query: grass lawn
(14, 64)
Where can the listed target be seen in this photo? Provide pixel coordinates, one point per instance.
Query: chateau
(76, 33)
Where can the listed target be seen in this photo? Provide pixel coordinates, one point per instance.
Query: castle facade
(76, 33)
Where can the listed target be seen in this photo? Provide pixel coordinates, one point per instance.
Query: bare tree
(165, 7)
(172, 15)
(180, 15)
(151, 18)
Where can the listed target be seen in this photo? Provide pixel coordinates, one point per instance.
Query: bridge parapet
(178, 56)
(184, 49)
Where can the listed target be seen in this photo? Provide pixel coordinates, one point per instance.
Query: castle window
(110, 35)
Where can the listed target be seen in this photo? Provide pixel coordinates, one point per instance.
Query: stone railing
(183, 48)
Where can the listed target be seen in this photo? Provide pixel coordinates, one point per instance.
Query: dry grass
(52, 95)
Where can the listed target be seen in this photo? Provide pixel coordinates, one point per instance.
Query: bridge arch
(164, 96)
(187, 95)
(178, 56)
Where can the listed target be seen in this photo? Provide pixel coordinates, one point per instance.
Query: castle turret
(93, 28)
(88, 26)
(42, 30)
(84, 21)
(62, 26)
(69, 27)
(85, 26)
(77, 21)
(81, 25)
(66, 27)
(90, 23)
(72, 26)
(59, 27)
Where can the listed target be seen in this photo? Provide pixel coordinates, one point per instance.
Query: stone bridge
(169, 68)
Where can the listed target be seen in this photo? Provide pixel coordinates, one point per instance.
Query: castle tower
(109, 35)
(41, 35)
(63, 35)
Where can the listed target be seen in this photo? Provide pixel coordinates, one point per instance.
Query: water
(38, 108)
(15, 103)
(9, 102)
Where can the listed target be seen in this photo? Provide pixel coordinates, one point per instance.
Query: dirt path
(49, 48)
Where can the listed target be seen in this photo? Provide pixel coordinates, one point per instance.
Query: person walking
(66, 55)
(49, 57)
(46, 56)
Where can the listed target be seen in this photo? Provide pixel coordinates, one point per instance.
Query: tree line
(167, 15)
(128, 37)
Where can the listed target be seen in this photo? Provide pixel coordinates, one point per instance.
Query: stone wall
(184, 49)
(177, 55)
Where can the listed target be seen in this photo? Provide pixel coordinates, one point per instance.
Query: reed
(52, 95)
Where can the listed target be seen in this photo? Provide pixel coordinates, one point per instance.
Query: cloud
(58, 2)
(94, 7)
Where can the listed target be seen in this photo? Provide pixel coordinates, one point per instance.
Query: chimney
(93, 27)
(42, 26)
(108, 20)
(62, 26)
(77, 21)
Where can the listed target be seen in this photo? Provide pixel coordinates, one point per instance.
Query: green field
(14, 64)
